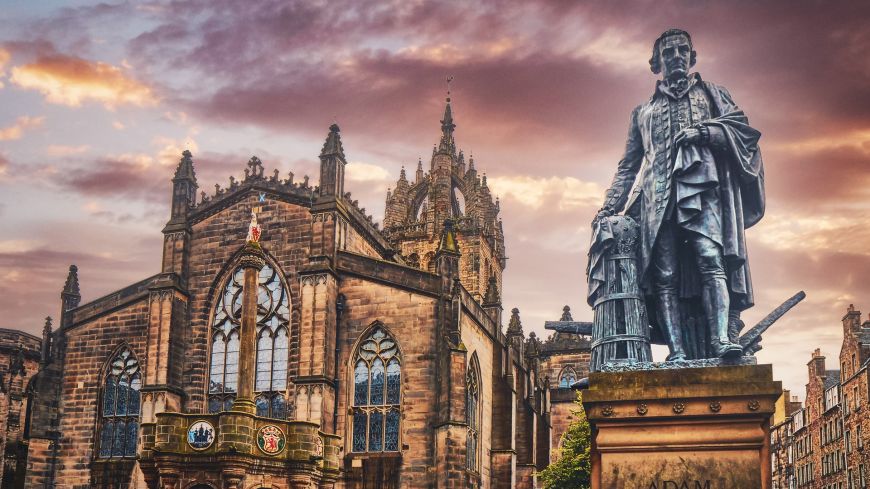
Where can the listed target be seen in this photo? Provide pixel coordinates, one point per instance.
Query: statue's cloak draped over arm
(719, 193)
(741, 152)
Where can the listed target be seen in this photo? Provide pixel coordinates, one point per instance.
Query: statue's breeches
(706, 254)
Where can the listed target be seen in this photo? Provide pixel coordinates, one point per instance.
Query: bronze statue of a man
(700, 184)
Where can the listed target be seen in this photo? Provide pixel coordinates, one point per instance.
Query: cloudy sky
(97, 100)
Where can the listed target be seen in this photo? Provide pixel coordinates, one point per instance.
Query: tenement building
(824, 443)
(287, 341)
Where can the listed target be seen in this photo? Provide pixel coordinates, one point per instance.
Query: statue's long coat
(696, 186)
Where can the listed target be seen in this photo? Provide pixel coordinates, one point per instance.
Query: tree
(573, 468)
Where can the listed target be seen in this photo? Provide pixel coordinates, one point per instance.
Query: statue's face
(676, 55)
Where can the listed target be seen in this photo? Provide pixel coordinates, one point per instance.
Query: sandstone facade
(823, 444)
(379, 355)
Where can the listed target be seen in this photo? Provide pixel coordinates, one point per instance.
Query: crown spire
(447, 144)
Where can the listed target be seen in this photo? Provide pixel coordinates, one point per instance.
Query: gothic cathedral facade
(326, 353)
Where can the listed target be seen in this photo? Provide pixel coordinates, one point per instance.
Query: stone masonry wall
(477, 341)
(89, 347)
(410, 318)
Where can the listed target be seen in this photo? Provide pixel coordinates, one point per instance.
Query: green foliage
(573, 469)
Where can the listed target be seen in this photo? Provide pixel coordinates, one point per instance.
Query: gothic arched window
(472, 415)
(567, 378)
(273, 326)
(119, 409)
(377, 386)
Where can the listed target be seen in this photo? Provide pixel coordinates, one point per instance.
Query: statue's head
(672, 54)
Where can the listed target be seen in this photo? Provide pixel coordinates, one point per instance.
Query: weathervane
(449, 79)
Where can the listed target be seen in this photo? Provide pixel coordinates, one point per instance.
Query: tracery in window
(567, 378)
(273, 325)
(119, 410)
(377, 378)
(472, 415)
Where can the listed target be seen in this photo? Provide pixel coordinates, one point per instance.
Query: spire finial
(72, 281)
(184, 170)
(515, 326)
(70, 296)
(447, 145)
(332, 145)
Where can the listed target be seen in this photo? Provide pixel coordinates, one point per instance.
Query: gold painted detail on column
(252, 257)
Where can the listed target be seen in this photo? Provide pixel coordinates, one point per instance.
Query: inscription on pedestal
(681, 470)
(680, 485)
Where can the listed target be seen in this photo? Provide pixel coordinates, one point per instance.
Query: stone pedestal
(688, 428)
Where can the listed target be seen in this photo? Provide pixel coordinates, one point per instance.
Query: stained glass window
(391, 439)
(567, 377)
(377, 379)
(119, 428)
(472, 416)
(273, 323)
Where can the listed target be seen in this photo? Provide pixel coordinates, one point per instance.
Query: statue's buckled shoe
(677, 356)
(723, 348)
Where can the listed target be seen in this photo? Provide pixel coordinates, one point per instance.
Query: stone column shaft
(252, 262)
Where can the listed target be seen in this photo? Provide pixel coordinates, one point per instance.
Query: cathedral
(289, 341)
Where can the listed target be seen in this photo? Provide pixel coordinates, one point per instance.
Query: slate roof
(832, 378)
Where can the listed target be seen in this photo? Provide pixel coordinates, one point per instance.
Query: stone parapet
(304, 451)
